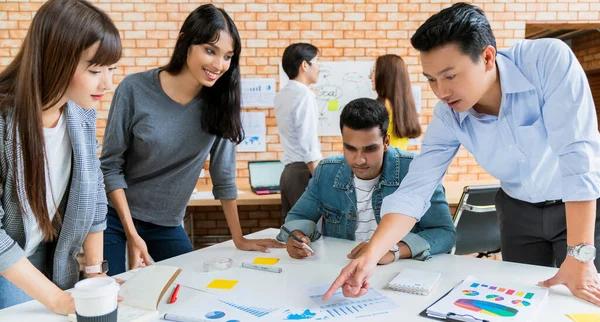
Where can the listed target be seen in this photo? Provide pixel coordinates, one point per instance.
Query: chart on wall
(338, 84)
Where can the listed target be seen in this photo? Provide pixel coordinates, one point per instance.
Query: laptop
(264, 176)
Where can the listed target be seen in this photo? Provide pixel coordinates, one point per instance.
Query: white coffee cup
(95, 296)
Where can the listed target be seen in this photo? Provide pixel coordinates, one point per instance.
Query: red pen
(173, 298)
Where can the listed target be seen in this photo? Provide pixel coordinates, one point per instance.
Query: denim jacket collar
(389, 176)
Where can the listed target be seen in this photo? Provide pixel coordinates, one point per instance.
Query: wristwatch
(584, 253)
(396, 251)
(100, 268)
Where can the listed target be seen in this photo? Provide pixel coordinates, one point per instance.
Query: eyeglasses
(316, 62)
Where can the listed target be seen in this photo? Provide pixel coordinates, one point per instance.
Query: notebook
(483, 300)
(414, 281)
(142, 293)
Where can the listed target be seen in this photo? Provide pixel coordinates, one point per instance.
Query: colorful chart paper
(521, 303)
(495, 302)
(488, 308)
(470, 293)
(495, 298)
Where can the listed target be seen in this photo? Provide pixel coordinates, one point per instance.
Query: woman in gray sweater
(162, 126)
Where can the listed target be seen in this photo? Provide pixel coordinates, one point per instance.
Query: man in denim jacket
(339, 181)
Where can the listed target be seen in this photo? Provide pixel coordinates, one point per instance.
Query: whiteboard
(340, 83)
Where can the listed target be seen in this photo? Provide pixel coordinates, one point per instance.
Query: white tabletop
(324, 268)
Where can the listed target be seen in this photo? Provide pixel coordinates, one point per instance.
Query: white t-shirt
(58, 172)
(296, 111)
(365, 219)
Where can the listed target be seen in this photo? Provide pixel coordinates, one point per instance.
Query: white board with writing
(338, 84)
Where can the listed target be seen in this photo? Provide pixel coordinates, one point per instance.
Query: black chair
(476, 222)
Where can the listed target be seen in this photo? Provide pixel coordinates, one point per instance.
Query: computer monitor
(264, 176)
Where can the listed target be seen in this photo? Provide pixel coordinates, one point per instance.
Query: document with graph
(338, 306)
(481, 300)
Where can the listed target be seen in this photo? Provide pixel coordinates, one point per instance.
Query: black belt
(547, 203)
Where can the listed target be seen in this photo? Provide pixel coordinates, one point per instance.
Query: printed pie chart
(215, 315)
(520, 303)
(470, 293)
(494, 297)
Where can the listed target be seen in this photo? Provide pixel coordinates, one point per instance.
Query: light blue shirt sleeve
(570, 120)
(439, 147)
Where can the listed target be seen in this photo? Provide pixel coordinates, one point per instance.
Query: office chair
(476, 222)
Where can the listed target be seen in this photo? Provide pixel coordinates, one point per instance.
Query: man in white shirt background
(296, 112)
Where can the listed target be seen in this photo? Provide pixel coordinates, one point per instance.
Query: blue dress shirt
(543, 145)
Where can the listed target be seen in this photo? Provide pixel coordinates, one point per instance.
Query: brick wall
(343, 29)
(587, 50)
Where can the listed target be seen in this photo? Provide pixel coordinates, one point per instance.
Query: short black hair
(365, 114)
(461, 23)
(294, 55)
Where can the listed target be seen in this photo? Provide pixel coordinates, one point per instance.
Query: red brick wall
(343, 29)
(587, 50)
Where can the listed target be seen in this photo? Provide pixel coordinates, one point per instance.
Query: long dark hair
(392, 83)
(222, 102)
(39, 77)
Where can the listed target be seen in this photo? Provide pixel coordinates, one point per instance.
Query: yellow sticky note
(265, 261)
(222, 284)
(333, 105)
(586, 317)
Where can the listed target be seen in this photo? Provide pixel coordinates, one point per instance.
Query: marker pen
(271, 269)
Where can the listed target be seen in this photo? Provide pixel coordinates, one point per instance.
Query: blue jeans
(162, 242)
(10, 294)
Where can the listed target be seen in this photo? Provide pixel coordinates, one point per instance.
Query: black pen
(297, 239)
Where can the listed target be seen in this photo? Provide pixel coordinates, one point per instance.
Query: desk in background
(323, 268)
(206, 224)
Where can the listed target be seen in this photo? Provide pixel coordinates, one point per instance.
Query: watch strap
(99, 268)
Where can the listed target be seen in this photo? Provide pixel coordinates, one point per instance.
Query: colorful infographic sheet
(491, 301)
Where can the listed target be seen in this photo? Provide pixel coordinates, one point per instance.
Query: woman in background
(390, 80)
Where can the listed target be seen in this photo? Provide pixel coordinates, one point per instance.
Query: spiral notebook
(414, 281)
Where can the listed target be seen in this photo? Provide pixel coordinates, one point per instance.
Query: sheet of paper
(492, 301)
(201, 307)
(265, 261)
(258, 92)
(255, 131)
(339, 306)
(222, 284)
(585, 317)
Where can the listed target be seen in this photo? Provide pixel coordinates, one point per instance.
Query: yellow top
(400, 143)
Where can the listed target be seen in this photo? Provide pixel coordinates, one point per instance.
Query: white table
(324, 268)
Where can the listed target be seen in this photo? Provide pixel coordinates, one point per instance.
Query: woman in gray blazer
(52, 199)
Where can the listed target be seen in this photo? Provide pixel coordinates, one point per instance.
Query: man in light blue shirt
(528, 117)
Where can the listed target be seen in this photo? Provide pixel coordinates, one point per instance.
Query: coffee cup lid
(95, 287)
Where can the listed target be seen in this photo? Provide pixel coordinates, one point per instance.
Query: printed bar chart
(504, 290)
(255, 311)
